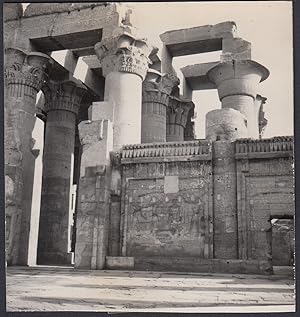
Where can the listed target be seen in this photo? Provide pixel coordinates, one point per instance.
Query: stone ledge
(119, 262)
(205, 157)
(262, 155)
(193, 264)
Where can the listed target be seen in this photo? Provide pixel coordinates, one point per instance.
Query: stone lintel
(236, 49)
(199, 39)
(196, 77)
(78, 28)
(92, 61)
(35, 9)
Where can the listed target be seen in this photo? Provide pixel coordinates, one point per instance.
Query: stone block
(171, 184)
(196, 264)
(101, 110)
(235, 49)
(119, 263)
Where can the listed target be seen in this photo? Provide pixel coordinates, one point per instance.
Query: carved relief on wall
(161, 222)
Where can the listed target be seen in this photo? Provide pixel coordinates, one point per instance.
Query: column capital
(157, 87)
(64, 95)
(124, 52)
(25, 72)
(178, 111)
(238, 77)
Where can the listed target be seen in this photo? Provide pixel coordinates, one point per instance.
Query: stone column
(237, 83)
(24, 76)
(61, 106)
(156, 92)
(124, 58)
(177, 115)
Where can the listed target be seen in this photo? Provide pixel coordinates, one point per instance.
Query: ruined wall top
(35, 9)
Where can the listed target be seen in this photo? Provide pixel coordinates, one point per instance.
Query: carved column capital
(25, 73)
(157, 88)
(178, 111)
(238, 77)
(124, 52)
(65, 95)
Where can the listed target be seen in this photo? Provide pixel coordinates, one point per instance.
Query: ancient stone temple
(107, 173)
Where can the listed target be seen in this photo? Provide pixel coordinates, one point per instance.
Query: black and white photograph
(149, 157)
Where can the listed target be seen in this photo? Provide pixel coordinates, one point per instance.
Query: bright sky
(266, 24)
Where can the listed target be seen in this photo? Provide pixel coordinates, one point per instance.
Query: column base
(55, 258)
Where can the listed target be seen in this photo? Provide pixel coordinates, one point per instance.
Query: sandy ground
(65, 289)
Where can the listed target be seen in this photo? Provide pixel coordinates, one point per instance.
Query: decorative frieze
(283, 145)
(168, 149)
(25, 73)
(65, 95)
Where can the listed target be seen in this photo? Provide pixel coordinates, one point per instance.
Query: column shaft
(54, 238)
(24, 74)
(125, 61)
(246, 106)
(154, 121)
(124, 90)
(62, 105)
(156, 92)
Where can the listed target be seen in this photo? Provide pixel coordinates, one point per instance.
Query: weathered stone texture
(24, 75)
(90, 22)
(156, 92)
(283, 242)
(62, 105)
(167, 212)
(265, 191)
(224, 187)
(94, 194)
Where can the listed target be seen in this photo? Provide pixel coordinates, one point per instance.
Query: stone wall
(204, 206)
(168, 209)
(265, 190)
